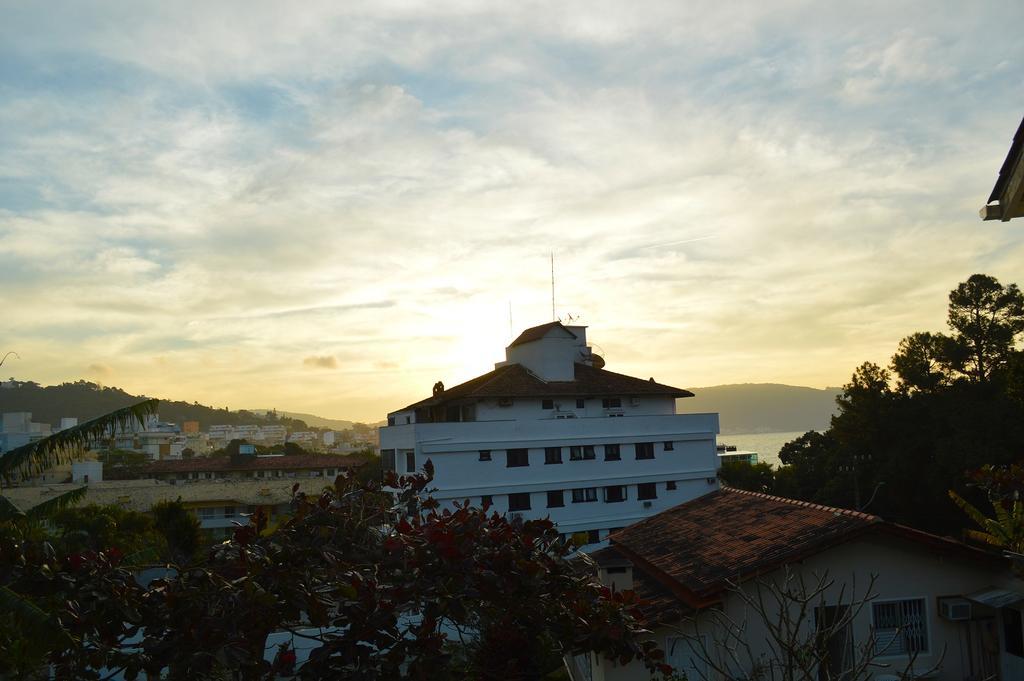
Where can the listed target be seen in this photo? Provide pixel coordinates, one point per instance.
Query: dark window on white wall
(485, 455)
(552, 455)
(647, 490)
(580, 404)
(387, 460)
(410, 462)
(615, 494)
(593, 536)
(517, 457)
(519, 501)
(556, 499)
(611, 403)
(670, 485)
(486, 501)
(644, 450)
(669, 446)
(584, 494)
(901, 627)
(611, 453)
(547, 404)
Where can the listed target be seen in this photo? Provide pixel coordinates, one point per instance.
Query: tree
(987, 318)
(388, 585)
(180, 530)
(921, 362)
(756, 477)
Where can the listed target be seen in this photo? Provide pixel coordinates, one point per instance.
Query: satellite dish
(597, 361)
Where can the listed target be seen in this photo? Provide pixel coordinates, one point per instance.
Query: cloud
(393, 178)
(321, 362)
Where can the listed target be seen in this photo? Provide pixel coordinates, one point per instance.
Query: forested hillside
(86, 400)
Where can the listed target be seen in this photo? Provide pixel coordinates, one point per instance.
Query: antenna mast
(553, 317)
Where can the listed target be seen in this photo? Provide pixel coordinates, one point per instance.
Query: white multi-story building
(550, 432)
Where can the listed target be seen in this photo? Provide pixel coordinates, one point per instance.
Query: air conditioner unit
(648, 504)
(955, 609)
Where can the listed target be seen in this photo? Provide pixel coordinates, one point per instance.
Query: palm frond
(34, 623)
(967, 507)
(58, 503)
(38, 456)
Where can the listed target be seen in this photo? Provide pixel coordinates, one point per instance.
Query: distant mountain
(315, 421)
(764, 407)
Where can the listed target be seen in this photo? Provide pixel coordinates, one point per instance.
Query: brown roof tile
(514, 380)
(695, 549)
(260, 463)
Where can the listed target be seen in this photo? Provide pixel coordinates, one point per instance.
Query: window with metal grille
(901, 627)
(519, 502)
(644, 450)
(556, 499)
(584, 494)
(552, 455)
(517, 457)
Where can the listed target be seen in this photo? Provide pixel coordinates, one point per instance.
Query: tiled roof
(538, 332)
(1013, 157)
(514, 380)
(696, 548)
(257, 463)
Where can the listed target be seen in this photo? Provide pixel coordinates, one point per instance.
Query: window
(391, 420)
(581, 404)
(547, 404)
(644, 450)
(669, 446)
(556, 499)
(485, 455)
(647, 490)
(519, 501)
(581, 453)
(593, 536)
(584, 494)
(900, 627)
(410, 462)
(229, 511)
(486, 501)
(387, 459)
(408, 420)
(670, 485)
(517, 457)
(611, 453)
(611, 403)
(552, 455)
(615, 494)
(206, 513)
(588, 452)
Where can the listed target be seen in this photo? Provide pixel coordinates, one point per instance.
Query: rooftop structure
(250, 466)
(550, 432)
(1007, 198)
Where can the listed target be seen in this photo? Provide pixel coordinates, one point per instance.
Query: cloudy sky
(327, 207)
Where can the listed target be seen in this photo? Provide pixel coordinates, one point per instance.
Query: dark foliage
(899, 443)
(435, 594)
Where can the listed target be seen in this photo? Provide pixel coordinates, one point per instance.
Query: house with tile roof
(1007, 198)
(932, 604)
(550, 432)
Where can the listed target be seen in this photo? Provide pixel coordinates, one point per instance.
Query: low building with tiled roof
(242, 466)
(935, 604)
(551, 432)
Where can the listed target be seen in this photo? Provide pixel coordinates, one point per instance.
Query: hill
(764, 407)
(314, 421)
(85, 400)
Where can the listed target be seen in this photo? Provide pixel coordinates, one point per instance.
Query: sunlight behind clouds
(208, 201)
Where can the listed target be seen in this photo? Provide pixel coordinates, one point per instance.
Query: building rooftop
(693, 551)
(254, 463)
(140, 495)
(514, 380)
(1007, 198)
(538, 332)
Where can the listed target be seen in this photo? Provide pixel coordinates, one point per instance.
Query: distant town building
(246, 465)
(190, 427)
(550, 432)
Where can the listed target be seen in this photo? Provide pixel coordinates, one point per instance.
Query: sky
(328, 206)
